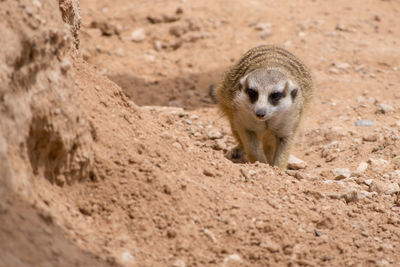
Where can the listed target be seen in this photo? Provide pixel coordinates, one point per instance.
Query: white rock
(127, 257)
(263, 26)
(384, 108)
(232, 257)
(177, 145)
(367, 194)
(368, 182)
(158, 45)
(342, 65)
(295, 163)
(138, 35)
(341, 173)
(179, 263)
(334, 182)
(214, 134)
(378, 162)
(210, 235)
(362, 167)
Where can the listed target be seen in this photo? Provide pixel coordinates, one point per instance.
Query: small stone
(317, 232)
(341, 173)
(178, 30)
(391, 188)
(210, 235)
(208, 173)
(367, 194)
(342, 65)
(65, 65)
(378, 162)
(179, 263)
(233, 258)
(158, 45)
(37, 3)
(167, 189)
(106, 28)
(370, 138)
(368, 182)
(297, 174)
(263, 26)
(171, 234)
(179, 10)
(340, 27)
(252, 172)
(214, 134)
(295, 163)
(384, 108)
(334, 182)
(364, 123)
(219, 145)
(375, 186)
(265, 34)
(333, 70)
(351, 196)
(302, 176)
(271, 246)
(362, 167)
(177, 145)
(127, 258)
(138, 35)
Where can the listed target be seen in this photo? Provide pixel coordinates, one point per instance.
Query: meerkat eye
(275, 97)
(253, 94)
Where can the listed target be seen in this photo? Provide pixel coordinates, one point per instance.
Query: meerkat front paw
(236, 154)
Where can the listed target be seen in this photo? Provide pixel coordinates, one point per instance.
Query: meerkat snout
(261, 113)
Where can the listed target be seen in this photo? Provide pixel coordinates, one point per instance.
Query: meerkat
(264, 95)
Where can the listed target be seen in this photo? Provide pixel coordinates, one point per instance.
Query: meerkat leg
(251, 146)
(282, 151)
(269, 146)
(236, 154)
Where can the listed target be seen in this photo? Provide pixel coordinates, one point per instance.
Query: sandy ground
(162, 192)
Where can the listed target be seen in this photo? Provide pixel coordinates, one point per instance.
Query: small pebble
(138, 35)
(177, 145)
(233, 258)
(384, 108)
(295, 163)
(317, 233)
(127, 258)
(341, 173)
(351, 196)
(214, 134)
(271, 246)
(364, 123)
(210, 235)
(370, 138)
(179, 263)
(378, 162)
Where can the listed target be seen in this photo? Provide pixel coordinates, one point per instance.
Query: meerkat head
(266, 93)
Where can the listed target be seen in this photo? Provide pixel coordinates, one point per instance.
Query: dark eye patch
(294, 93)
(253, 94)
(275, 97)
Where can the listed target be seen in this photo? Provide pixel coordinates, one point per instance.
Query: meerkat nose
(260, 113)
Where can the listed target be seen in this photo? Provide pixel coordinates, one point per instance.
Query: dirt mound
(150, 185)
(45, 131)
(44, 136)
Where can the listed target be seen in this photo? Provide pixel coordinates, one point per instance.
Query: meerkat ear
(286, 89)
(242, 82)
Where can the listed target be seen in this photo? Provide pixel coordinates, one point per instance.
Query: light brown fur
(271, 143)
